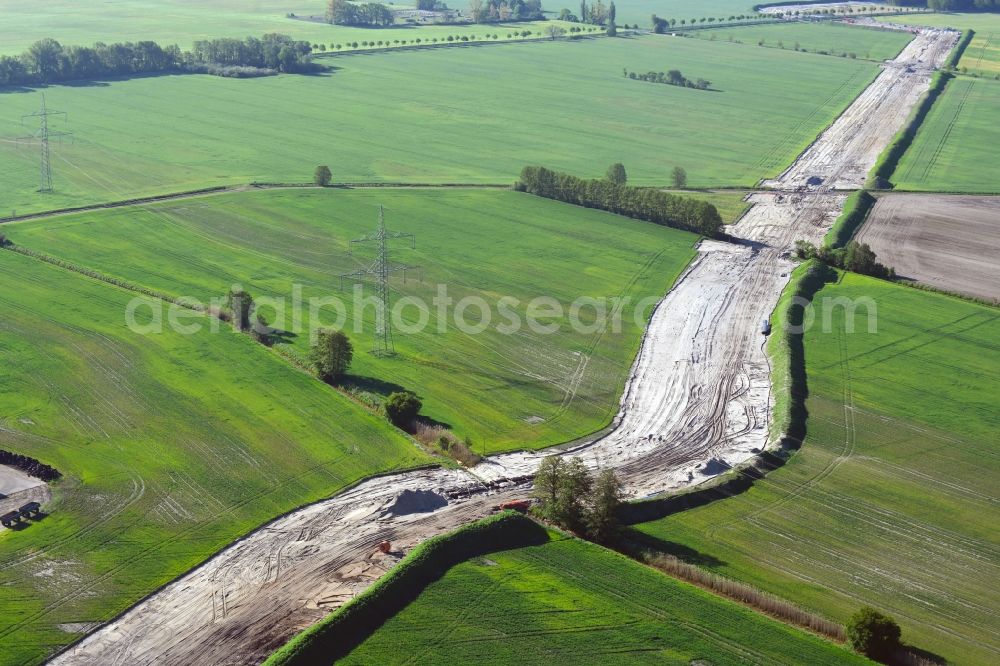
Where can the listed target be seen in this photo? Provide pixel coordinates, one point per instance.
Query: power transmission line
(43, 134)
(381, 269)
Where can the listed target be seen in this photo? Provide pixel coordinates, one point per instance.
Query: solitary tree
(402, 407)
(239, 304)
(873, 634)
(331, 355)
(679, 177)
(322, 176)
(616, 174)
(554, 31)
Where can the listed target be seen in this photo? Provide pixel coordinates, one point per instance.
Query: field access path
(698, 401)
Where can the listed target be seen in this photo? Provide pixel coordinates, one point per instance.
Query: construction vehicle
(521, 506)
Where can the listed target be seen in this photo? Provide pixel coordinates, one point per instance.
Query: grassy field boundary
(959, 50)
(788, 379)
(237, 187)
(122, 203)
(763, 602)
(275, 185)
(288, 356)
(885, 167)
(324, 55)
(855, 212)
(102, 277)
(920, 286)
(348, 627)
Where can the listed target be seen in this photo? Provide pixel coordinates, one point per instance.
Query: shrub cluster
(651, 205)
(855, 257)
(570, 497)
(873, 634)
(402, 408)
(671, 78)
(28, 465)
(433, 434)
(229, 71)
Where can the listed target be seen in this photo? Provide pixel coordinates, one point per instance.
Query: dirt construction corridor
(698, 401)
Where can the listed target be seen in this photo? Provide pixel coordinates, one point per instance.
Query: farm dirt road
(950, 242)
(698, 401)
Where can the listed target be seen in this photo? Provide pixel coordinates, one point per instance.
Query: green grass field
(476, 114)
(172, 446)
(729, 203)
(525, 389)
(639, 11)
(983, 54)
(568, 601)
(833, 38)
(954, 150)
(892, 499)
(182, 22)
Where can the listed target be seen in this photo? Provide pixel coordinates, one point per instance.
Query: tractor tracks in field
(697, 403)
(246, 187)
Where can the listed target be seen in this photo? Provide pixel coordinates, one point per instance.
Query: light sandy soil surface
(698, 402)
(18, 488)
(14, 480)
(843, 156)
(949, 242)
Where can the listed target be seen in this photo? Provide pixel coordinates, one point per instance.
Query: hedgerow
(337, 635)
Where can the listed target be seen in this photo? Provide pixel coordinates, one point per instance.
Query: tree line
(647, 204)
(671, 78)
(569, 496)
(272, 51)
(661, 25)
(48, 61)
(855, 257)
(496, 11)
(374, 14)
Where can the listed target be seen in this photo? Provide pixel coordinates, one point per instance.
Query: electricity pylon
(43, 134)
(381, 269)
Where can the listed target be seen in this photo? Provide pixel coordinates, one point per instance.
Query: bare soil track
(698, 401)
(946, 241)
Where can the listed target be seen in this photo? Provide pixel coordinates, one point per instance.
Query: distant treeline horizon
(48, 61)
